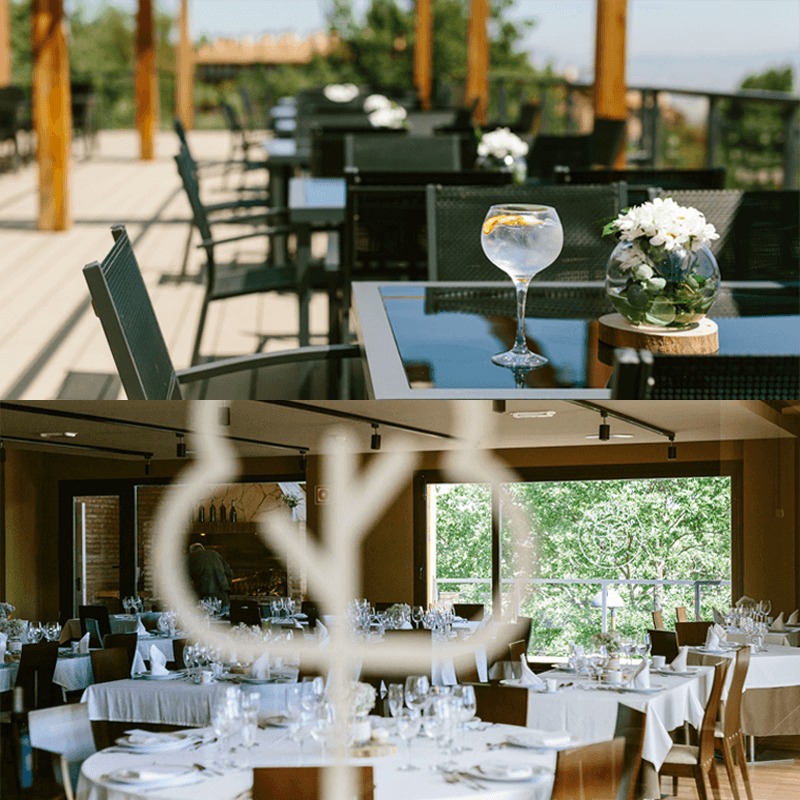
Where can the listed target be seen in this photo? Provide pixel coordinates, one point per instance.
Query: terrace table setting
(528, 773)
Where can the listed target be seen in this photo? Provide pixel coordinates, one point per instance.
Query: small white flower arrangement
(13, 628)
(611, 640)
(362, 698)
(6, 609)
(502, 145)
(341, 92)
(384, 113)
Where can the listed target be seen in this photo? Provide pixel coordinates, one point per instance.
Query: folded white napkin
(406, 626)
(535, 738)
(140, 628)
(158, 662)
(260, 668)
(3, 640)
(528, 677)
(136, 736)
(712, 639)
(138, 667)
(680, 664)
(722, 634)
(83, 645)
(641, 678)
(718, 618)
(322, 632)
(743, 601)
(793, 617)
(777, 623)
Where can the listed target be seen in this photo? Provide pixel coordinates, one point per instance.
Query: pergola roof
(285, 49)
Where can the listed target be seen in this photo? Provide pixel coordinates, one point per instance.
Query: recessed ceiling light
(59, 435)
(611, 436)
(532, 414)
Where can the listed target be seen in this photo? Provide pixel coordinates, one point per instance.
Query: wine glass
(324, 725)
(226, 720)
(312, 693)
(396, 698)
(250, 703)
(521, 240)
(418, 692)
(408, 724)
(52, 631)
(300, 726)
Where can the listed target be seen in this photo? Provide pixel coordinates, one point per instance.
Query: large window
(599, 551)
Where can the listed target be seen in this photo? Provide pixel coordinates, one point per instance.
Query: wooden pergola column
(5, 43)
(609, 66)
(146, 81)
(423, 53)
(184, 87)
(478, 59)
(52, 113)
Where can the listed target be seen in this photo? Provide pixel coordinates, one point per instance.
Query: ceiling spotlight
(610, 436)
(148, 467)
(303, 462)
(672, 451)
(59, 435)
(499, 406)
(533, 414)
(225, 415)
(181, 449)
(375, 442)
(605, 429)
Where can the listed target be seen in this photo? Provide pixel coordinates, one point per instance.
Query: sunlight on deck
(51, 342)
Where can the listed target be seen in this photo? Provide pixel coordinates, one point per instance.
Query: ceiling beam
(624, 418)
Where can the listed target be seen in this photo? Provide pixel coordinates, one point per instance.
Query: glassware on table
(408, 725)
(324, 725)
(521, 240)
(250, 703)
(35, 632)
(464, 705)
(418, 692)
(312, 693)
(226, 719)
(300, 726)
(52, 631)
(396, 698)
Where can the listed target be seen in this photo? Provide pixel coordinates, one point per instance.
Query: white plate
(508, 773)
(256, 681)
(168, 677)
(531, 741)
(274, 722)
(653, 689)
(540, 687)
(155, 776)
(689, 672)
(159, 743)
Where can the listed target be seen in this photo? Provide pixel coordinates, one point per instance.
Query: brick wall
(102, 547)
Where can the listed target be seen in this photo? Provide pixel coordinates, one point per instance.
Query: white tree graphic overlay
(332, 565)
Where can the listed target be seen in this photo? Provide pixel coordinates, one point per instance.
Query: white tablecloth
(171, 702)
(591, 715)
(775, 667)
(71, 673)
(274, 749)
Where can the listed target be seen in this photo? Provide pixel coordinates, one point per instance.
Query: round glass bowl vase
(674, 289)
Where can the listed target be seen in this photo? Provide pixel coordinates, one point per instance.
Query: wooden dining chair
(664, 643)
(110, 664)
(178, 646)
(516, 650)
(304, 783)
(591, 772)
(630, 724)
(128, 641)
(99, 613)
(692, 634)
(728, 732)
(470, 611)
(697, 761)
(658, 621)
(681, 615)
(507, 705)
(37, 664)
(466, 668)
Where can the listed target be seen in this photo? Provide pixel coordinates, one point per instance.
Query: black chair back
(99, 613)
(664, 643)
(403, 154)
(246, 612)
(35, 674)
(549, 152)
(456, 213)
(127, 641)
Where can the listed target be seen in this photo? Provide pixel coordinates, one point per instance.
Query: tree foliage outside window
(625, 529)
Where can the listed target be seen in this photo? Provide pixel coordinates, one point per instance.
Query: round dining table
(273, 748)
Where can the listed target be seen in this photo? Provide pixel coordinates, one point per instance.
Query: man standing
(209, 573)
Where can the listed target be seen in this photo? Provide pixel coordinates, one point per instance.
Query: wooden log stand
(616, 331)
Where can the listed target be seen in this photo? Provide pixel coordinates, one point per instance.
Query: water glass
(226, 719)
(300, 726)
(250, 703)
(396, 698)
(324, 725)
(408, 725)
(418, 692)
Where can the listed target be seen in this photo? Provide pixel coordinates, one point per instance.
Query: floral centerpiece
(361, 698)
(611, 640)
(384, 113)
(6, 609)
(13, 628)
(340, 92)
(398, 614)
(503, 151)
(662, 272)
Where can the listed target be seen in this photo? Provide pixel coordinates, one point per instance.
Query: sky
(692, 44)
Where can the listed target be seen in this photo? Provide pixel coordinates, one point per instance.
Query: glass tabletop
(445, 336)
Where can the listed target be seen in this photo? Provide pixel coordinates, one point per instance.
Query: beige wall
(770, 478)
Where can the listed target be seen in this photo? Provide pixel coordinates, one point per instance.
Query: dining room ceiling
(271, 429)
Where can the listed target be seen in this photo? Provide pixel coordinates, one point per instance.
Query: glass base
(516, 359)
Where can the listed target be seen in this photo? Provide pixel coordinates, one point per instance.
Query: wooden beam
(184, 86)
(5, 43)
(609, 65)
(477, 84)
(146, 81)
(423, 53)
(52, 113)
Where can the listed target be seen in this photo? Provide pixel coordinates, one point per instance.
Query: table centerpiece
(503, 151)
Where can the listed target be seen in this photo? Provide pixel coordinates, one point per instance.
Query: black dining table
(430, 340)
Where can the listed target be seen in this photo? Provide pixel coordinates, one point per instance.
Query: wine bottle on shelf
(223, 513)
(19, 720)
(201, 515)
(212, 513)
(233, 512)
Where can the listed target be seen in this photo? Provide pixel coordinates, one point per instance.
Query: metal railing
(603, 583)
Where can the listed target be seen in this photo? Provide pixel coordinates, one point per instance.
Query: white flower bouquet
(12, 627)
(362, 698)
(6, 609)
(611, 640)
(340, 92)
(662, 273)
(502, 145)
(384, 113)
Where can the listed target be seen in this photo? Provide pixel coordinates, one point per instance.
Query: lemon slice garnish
(509, 219)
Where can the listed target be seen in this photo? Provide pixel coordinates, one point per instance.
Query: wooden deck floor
(50, 340)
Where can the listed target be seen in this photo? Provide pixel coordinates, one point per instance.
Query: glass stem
(521, 286)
